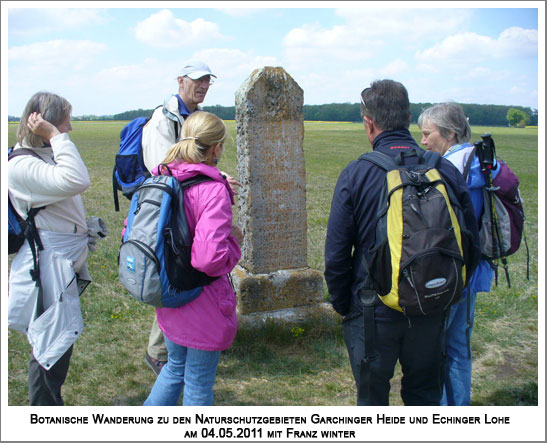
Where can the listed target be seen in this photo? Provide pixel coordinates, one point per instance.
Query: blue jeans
(457, 386)
(190, 370)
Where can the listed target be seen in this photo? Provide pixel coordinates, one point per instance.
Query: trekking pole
(489, 141)
(487, 155)
(486, 161)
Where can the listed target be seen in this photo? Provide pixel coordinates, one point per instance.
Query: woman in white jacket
(54, 180)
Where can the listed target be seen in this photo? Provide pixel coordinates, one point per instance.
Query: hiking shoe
(154, 364)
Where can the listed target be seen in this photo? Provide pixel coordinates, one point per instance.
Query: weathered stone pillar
(273, 274)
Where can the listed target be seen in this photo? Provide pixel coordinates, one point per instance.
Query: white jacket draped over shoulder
(55, 182)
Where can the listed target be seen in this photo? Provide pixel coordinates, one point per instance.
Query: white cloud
(427, 68)
(518, 42)
(347, 84)
(367, 34)
(413, 24)
(517, 90)
(470, 47)
(139, 85)
(233, 63)
(55, 55)
(476, 72)
(394, 69)
(30, 21)
(458, 49)
(312, 43)
(59, 66)
(163, 30)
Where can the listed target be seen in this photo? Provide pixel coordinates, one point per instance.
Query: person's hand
(41, 127)
(237, 234)
(232, 182)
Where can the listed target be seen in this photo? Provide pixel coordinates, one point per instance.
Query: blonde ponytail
(200, 132)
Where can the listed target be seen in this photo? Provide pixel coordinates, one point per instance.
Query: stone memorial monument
(273, 277)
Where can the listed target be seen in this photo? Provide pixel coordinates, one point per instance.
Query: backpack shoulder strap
(185, 183)
(468, 164)
(176, 130)
(23, 151)
(380, 159)
(31, 233)
(171, 116)
(195, 180)
(12, 153)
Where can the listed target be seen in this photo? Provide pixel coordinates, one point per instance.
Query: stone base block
(321, 311)
(283, 289)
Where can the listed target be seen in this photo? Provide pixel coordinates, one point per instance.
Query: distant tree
(130, 115)
(517, 117)
(533, 117)
(223, 112)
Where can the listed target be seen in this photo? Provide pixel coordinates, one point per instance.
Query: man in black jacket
(415, 342)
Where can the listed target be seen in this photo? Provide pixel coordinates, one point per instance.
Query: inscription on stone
(271, 166)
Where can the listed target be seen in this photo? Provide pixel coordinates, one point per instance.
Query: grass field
(286, 365)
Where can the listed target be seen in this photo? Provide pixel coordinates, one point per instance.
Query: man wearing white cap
(160, 133)
(164, 128)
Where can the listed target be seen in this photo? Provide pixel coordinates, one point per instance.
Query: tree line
(479, 115)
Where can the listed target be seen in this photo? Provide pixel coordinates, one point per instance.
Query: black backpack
(20, 229)
(418, 262)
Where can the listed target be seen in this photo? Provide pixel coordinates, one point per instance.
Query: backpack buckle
(367, 296)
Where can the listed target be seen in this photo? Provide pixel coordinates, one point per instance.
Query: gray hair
(449, 118)
(54, 109)
(386, 103)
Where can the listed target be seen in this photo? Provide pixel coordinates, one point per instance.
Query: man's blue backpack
(154, 263)
(20, 229)
(129, 169)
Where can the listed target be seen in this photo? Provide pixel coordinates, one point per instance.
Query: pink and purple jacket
(209, 322)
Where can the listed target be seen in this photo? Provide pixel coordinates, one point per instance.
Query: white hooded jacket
(159, 134)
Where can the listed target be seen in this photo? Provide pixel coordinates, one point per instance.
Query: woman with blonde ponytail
(197, 332)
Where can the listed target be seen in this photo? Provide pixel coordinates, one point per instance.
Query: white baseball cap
(195, 69)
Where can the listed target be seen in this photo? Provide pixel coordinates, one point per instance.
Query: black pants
(44, 387)
(417, 346)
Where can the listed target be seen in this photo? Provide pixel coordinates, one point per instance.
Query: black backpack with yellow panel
(417, 263)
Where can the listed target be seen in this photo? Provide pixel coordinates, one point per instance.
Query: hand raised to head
(41, 127)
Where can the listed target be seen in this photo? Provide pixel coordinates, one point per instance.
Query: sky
(107, 57)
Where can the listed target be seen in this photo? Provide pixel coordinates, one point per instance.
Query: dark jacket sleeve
(338, 247)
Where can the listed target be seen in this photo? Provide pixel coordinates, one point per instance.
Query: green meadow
(290, 364)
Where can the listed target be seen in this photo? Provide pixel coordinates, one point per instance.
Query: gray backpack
(154, 262)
